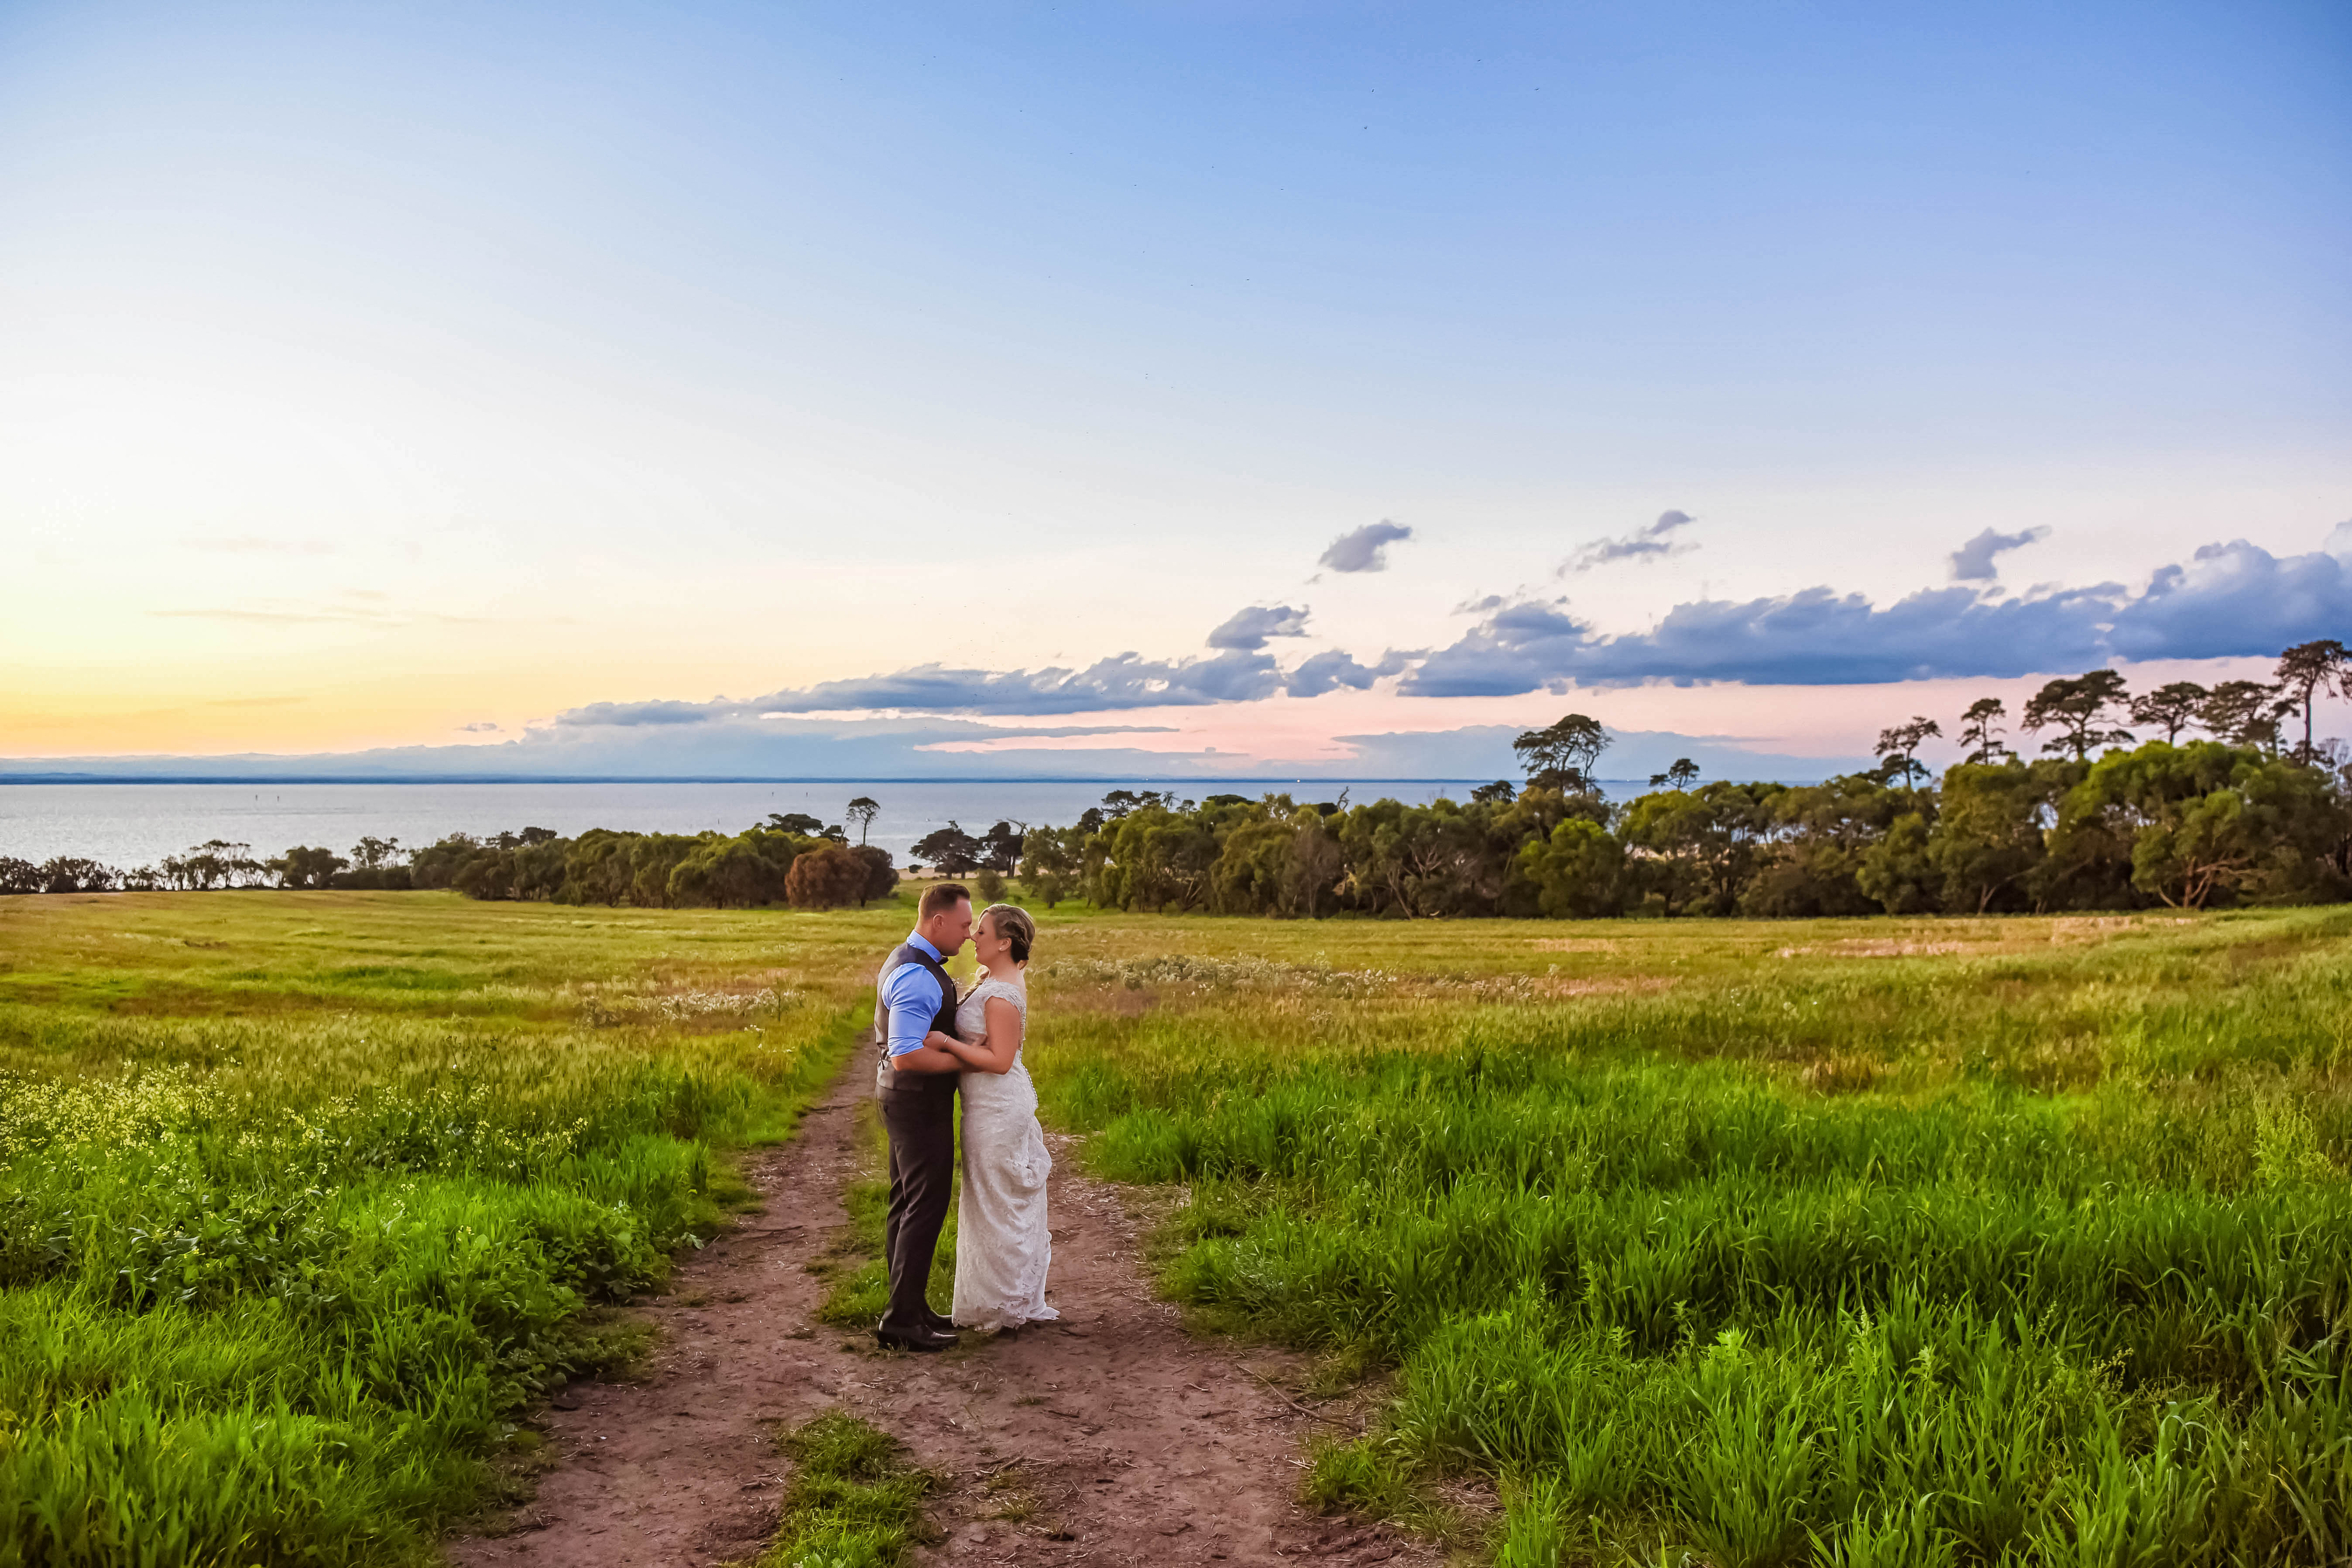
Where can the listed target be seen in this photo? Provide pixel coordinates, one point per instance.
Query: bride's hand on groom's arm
(928, 1057)
(954, 1046)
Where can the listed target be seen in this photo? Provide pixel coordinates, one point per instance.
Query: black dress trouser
(920, 1121)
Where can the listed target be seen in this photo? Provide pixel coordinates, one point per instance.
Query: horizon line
(14, 778)
(77, 778)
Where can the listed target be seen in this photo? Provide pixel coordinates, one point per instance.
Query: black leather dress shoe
(914, 1340)
(942, 1325)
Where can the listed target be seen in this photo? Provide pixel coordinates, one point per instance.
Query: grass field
(307, 1194)
(1857, 1242)
(1852, 1242)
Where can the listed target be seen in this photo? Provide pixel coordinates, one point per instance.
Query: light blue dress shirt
(913, 998)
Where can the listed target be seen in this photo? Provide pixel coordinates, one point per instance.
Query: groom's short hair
(941, 898)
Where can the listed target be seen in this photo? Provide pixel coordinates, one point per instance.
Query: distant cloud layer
(1366, 548)
(1249, 629)
(1973, 562)
(1642, 544)
(1110, 684)
(2232, 600)
(1123, 681)
(2229, 600)
(870, 749)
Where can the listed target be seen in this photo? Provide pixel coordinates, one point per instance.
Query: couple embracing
(934, 1045)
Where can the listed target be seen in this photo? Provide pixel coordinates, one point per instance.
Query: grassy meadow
(1885, 1241)
(307, 1195)
(1854, 1242)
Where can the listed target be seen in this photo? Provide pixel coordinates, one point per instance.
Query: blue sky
(514, 376)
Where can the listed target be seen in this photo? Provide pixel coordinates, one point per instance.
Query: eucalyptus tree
(951, 851)
(2078, 710)
(1898, 748)
(2171, 708)
(1981, 724)
(2309, 669)
(1561, 755)
(2244, 713)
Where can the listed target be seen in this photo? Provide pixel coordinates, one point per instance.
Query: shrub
(881, 877)
(826, 879)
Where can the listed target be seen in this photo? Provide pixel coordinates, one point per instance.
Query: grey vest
(886, 1077)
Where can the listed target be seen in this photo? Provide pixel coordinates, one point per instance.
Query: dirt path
(1122, 1440)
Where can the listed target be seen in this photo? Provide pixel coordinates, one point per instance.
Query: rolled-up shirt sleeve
(914, 997)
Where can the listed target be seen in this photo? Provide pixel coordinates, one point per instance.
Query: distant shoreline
(691, 778)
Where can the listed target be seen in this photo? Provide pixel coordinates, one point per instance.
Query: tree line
(790, 858)
(2239, 817)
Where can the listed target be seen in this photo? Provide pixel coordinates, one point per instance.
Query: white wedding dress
(1003, 1247)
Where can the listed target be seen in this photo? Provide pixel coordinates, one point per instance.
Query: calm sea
(129, 824)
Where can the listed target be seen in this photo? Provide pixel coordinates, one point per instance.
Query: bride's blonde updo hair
(1013, 924)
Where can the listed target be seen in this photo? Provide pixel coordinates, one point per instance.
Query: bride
(1003, 1247)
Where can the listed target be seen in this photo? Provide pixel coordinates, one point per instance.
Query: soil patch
(1112, 1438)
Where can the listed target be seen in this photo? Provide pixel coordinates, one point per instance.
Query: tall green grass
(2035, 1252)
(303, 1200)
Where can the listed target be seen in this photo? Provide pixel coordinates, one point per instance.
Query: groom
(916, 1087)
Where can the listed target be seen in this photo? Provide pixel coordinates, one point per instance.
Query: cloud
(1331, 671)
(1124, 681)
(1973, 562)
(639, 715)
(1059, 731)
(484, 728)
(2236, 598)
(2230, 600)
(1249, 629)
(1366, 548)
(1642, 544)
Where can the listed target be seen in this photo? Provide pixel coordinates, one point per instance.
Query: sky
(842, 390)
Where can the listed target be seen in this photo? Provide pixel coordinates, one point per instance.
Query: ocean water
(129, 824)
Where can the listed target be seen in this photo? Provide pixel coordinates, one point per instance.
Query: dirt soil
(1112, 1438)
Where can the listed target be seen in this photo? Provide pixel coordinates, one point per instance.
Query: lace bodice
(972, 1023)
(971, 1011)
